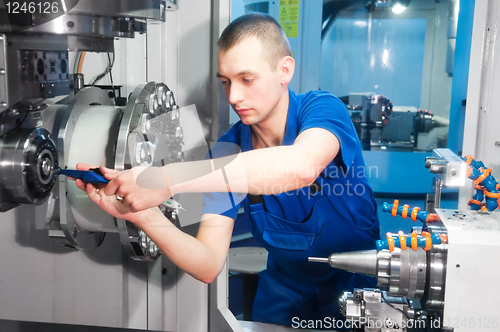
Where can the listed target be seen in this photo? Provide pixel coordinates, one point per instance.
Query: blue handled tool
(93, 175)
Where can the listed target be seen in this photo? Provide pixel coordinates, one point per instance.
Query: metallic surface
(448, 167)
(436, 270)
(144, 9)
(471, 259)
(90, 26)
(44, 66)
(407, 273)
(151, 111)
(64, 224)
(481, 119)
(23, 61)
(364, 262)
(447, 270)
(29, 159)
(370, 310)
(172, 5)
(24, 326)
(105, 24)
(91, 143)
(4, 86)
(403, 272)
(104, 287)
(120, 139)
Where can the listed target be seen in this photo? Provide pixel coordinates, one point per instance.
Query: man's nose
(236, 94)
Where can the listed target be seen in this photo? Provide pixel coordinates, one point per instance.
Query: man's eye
(224, 82)
(248, 80)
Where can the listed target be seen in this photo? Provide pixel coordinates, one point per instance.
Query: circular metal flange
(436, 270)
(403, 272)
(29, 161)
(66, 225)
(150, 113)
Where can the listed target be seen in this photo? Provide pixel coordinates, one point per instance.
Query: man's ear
(287, 66)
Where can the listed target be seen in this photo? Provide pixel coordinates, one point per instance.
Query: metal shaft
(364, 262)
(318, 259)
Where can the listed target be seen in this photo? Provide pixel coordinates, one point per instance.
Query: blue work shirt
(298, 224)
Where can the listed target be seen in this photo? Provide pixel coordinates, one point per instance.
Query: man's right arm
(202, 256)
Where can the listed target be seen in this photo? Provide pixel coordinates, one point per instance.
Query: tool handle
(93, 175)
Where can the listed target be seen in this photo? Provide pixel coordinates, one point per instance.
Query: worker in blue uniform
(301, 166)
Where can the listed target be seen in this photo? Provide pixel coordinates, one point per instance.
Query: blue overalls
(314, 221)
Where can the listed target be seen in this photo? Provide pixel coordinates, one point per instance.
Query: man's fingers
(108, 173)
(84, 167)
(91, 191)
(112, 187)
(80, 184)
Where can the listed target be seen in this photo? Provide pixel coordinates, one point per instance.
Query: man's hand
(123, 188)
(115, 207)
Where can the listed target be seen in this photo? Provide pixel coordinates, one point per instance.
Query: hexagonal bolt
(162, 96)
(169, 98)
(143, 153)
(153, 249)
(179, 134)
(145, 123)
(175, 113)
(153, 104)
(143, 239)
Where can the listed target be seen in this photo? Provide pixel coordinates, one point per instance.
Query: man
(301, 165)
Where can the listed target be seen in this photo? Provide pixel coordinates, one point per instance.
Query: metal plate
(149, 102)
(64, 226)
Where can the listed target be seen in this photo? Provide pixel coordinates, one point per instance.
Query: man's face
(253, 89)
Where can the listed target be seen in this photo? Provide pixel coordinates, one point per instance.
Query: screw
(497, 143)
(2, 71)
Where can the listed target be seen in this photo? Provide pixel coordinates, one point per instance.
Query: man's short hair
(275, 44)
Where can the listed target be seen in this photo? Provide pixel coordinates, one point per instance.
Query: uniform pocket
(282, 234)
(288, 240)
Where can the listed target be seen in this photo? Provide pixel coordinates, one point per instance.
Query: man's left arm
(266, 171)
